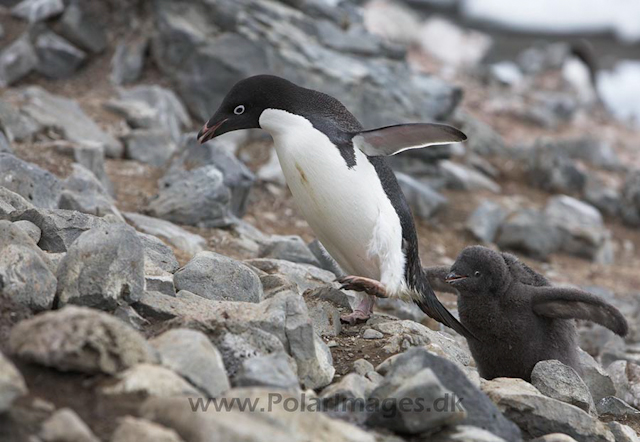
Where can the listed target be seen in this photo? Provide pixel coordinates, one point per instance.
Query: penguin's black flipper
(432, 307)
(391, 140)
(568, 303)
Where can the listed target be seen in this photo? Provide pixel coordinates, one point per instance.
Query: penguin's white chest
(347, 208)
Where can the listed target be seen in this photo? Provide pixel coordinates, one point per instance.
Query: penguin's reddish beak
(453, 277)
(208, 132)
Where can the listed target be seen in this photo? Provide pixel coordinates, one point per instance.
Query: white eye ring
(239, 110)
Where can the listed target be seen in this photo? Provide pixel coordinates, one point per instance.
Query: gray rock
(128, 61)
(66, 425)
(66, 116)
(30, 229)
(528, 231)
(422, 385)
(131, 429)
(37, 10)
(25, 275)
(289, 248)
(623, 433)
(150, 380)
(561, 382)
(551, 169)
(160, 306)
(581, 228)
(279, 424)
(37, 185)
(129, 316)
(363, 367)
(461, 177)
(57, 57)
(103, 268)
(372, 334)
(237, 177)
(485, 221)
(60, 228)
(614, 406)
(482, 138)
(481, 412)
(255, 45)
(597, 379)
(424, 201)
(16, 125)
(625, 375)
(537, 415)
(79, 339)
(83, 192)
(328, 293)
(12, 384)
(152, 107)
(91, 156)
(606, 199)
(5, 145)
(305, 276)
(351, 387)
(188, 242)
(190, 354)
(13, 201)
(590, 149)
(354, 40)
(162, 283)
(16, 61)
(324, 316)
(218, 277)
(157, 254)
(631, 199)
(83, 28)
(197, 198)
(150, 146)
(273, 371)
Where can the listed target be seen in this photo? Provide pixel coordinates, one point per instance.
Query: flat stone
(559, 381)
(150, 380)
(218, 277)
(188, 242)
(79, 339)
(304, 275)
(372, 334)
(289, 248)
(190, 354)
(614, 406)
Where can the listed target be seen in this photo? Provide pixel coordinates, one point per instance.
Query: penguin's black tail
(432, 307)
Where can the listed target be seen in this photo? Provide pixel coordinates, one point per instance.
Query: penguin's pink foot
(355, 317)
(366, 285)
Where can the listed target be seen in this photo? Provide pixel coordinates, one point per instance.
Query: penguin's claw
(366, 285)
(355, 317)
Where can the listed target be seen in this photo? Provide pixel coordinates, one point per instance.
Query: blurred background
(107, 96)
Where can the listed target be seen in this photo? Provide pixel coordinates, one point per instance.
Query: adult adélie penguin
(342, 185)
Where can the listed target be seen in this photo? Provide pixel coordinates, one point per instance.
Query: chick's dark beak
(209, 131)
(453, 277)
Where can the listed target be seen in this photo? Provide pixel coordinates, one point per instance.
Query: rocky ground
(139, 269)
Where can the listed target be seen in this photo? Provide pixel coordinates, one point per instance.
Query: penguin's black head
(478, 270)
(243, 105)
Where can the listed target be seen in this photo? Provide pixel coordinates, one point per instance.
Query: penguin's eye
(477, 274)
(239, 110)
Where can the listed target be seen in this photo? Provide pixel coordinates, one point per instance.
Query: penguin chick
(342, 185)
(518, 317)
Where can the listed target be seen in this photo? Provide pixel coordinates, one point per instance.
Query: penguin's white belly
(347, 209)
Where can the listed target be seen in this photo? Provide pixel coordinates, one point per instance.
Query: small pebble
(332, 344)
(372, 334)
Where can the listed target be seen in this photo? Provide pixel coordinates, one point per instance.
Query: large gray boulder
(37, 185)
(104, 267)
(530, 232)
(60, 228)
(276, 38)
(57, 58)
(197, 198)
(25, 273)
(559, 381)
(190, 354)
(481, 412)
(218, 277)
(67, 117)
(80, 339)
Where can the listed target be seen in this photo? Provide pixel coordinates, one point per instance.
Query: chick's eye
(239, 110)
(476, 274)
